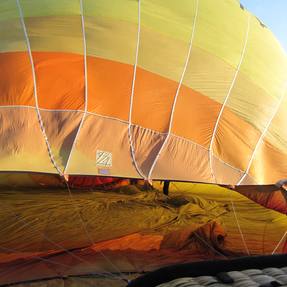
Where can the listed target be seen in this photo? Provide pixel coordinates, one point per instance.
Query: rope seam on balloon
(177, 93)
(279, 243)
(130, 136)
(49, 149)
(239, 227)
(86, 86)
(226, 99)
(70, 111)
(260, 141)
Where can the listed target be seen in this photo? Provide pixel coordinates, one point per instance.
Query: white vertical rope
(86, 86)
(259, 142)
(50, 153)
(239, 227)
(132, 95)
(210, 149)
(177, 92)
(279, 243)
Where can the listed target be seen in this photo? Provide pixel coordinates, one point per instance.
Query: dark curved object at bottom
(207, 268)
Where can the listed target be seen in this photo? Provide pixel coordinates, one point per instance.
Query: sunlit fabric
(103, 100)
(143, 89)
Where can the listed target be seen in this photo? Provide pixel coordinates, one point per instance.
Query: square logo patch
(104, 158)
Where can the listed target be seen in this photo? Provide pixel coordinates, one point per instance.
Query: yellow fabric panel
(111, 39)
(169, 17)
(251, 102)
(265, 62)
(216, 32)
(162, 55)
(166, 16)
(106, 38)
(122, 10)
(57, 33)
(277, 132)
(53, 25)
(9, 10)
(116, 40)
(35, 8)
(208, 75)
(11, 30)
(12, 36)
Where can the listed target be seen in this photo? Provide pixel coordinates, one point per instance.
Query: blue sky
(273, 13)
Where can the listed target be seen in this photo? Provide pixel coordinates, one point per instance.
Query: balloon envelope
(156, 90)
(159, 90)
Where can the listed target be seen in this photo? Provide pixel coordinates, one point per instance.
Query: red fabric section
(265, 196)
(78, 181)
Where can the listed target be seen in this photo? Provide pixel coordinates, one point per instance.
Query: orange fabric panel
(61, 128)
(60, 80)
(181, 158)
(153, 100)
(224, 173)
(102, 134)
(16, 85)
(274, 167)
(109, 87)
(147, 145)
(22, 145)
(195, 116)
(135, 241)
(235, 140)
(60, 85)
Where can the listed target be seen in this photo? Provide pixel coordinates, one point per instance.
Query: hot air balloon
(103, 104)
